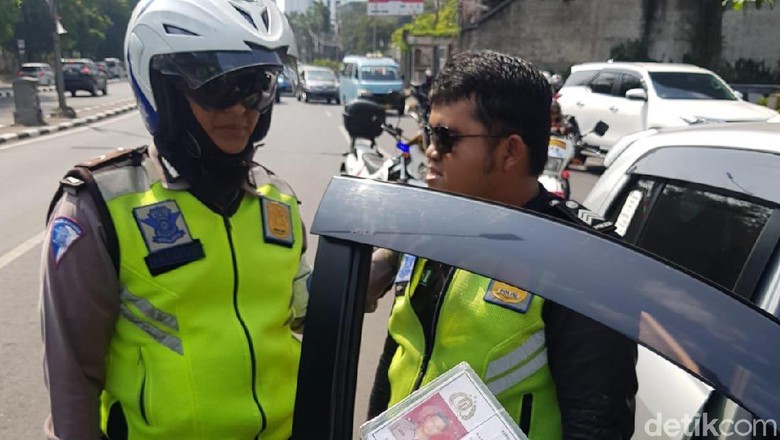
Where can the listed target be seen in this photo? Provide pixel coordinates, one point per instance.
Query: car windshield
(379, 73)
(685, 85)
(72, 66)
(30, 69)
(320, 75)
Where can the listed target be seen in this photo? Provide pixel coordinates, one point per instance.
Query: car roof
(753, 136)
(645, 67)
(369, 61)
(35, 65)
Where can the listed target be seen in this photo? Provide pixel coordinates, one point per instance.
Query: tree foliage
(441, 21)
(8, 18)
(362, 33)
(739, 4)
(35, 27)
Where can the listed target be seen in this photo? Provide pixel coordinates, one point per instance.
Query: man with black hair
(559, 374)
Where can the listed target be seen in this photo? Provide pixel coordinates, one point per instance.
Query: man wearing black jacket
(559, 374)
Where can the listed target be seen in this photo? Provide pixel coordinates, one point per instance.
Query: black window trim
(756, 264)
(615, 84)
(348, 227)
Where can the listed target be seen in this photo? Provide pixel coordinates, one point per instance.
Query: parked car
(375, 79)
(318, 83)
(633, 97)
(84, 74)
(40, 71)
(115, 68)
(707, 199)
(719, 338)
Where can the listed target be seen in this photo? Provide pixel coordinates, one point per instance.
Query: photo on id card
(455, 406)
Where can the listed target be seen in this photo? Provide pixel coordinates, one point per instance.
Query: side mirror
(636, 95)
(601, 128)
(364, 119)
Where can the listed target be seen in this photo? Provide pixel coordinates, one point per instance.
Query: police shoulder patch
(162, 225)
(64, 232)
(508, 296)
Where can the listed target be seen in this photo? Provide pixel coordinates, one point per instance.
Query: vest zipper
(432, 330)
(251, 345)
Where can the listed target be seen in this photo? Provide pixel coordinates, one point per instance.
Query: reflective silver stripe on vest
(498, 386)
(158, 335)
(149, 310)
(516, 356)
(124, 180)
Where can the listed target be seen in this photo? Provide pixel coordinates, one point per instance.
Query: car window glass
(379, 73)
(629, 82)
(700, 228)
(603, 83)
(579, 78)
(687, 85)
(320, 75)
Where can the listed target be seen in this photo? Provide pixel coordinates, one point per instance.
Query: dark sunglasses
(444, 140)
(255, 90)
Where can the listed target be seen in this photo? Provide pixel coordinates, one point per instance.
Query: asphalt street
(304, 147)
(83, 102)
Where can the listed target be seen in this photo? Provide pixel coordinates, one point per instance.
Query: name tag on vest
(508, 297)
(277, 222)
(167, 237)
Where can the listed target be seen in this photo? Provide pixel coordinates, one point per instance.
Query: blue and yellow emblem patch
(166, 236)
(508, 297)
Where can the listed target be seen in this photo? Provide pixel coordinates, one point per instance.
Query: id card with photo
(455, 406)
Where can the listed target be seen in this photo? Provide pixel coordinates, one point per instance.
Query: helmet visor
(198, 68)
(252, 87)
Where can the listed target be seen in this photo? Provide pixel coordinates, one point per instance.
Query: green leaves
(441, 21)
(8, 18)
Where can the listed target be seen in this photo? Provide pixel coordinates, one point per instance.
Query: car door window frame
(758, 259)
(348, 228)
(622, 93)
(615, 81)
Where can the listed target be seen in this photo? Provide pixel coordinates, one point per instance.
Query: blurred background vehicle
(83, 74)
(40, 71)
(705, 198)
(115, 68)
(633, 97)
(374, 78)
(317, 83)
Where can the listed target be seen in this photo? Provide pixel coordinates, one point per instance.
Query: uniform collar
(172, 180)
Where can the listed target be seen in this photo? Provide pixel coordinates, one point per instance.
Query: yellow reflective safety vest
(202, 347)
(496, 328)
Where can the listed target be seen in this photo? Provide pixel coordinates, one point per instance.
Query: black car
(84, 74)
(318, 83)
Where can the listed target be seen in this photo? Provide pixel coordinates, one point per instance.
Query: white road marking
(68, 132)
(20, 250)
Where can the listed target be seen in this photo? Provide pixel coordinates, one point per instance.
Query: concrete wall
(554, 34)
(753, 34)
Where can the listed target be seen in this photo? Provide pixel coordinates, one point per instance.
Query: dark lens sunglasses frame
(443, 140)
(255, 90)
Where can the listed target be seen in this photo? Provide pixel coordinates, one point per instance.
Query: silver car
(707, 199)
(40, 71)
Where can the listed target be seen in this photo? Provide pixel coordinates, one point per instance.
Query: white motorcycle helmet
(193, 43)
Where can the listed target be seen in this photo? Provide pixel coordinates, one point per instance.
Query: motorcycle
(560, 151)
(365, 121)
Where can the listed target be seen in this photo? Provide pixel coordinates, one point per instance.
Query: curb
(9, 93)
(34, 132)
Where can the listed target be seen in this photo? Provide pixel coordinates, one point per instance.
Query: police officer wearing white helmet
(173, 275)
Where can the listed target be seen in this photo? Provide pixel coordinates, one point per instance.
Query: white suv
(633, 97)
